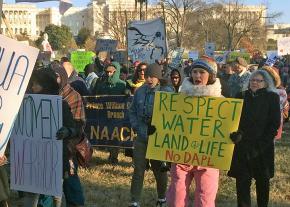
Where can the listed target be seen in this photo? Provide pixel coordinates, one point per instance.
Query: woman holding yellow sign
(202, 82)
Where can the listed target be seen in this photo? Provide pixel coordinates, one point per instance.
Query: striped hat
(206, 63)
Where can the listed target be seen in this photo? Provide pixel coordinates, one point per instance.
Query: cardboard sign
(221, 58)
(80, 59)
(232, 56)
(209, 49)
(120, 56)
(36, 155)
(17, 62)
(272, 58)
(283, 45)
(106, 45)
(108, 121)
(147, 40)
(193, 55)
(176, 57)
(194, 130)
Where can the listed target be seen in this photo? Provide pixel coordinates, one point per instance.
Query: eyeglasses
(141, 69)
(256, 80)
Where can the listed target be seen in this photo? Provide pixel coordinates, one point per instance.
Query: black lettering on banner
(20, 69)
(26, 122)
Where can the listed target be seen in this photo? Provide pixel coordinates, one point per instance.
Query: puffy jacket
(141, 109)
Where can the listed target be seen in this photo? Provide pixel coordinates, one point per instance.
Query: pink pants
(206, 180)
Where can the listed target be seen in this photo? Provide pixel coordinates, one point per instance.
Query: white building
(96, 16)
(45, 17)
(21, 18)
(76, 18)
(276, 31)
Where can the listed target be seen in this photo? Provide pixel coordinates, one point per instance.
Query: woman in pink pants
(202, 82)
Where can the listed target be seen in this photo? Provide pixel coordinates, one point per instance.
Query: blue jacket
(141, 110)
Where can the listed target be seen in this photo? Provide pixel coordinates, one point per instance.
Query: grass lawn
(109, 186)
(106, 185)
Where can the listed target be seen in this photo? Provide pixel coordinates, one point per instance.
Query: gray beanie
(154, 70)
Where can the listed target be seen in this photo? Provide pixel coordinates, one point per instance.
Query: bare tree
(239, 23)
(176, 12)
(230, 25)
(116, 22)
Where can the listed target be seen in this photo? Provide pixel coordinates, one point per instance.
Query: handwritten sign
(209, 49)
(232, 56)
(283, 45)
(16, 63)
(176, 57)
(108, 121)
(106, 45)
(272, 58)
(147, 40)
(80, 59)
(120, 56)
(36, 155)
(194, 130)
(193, 55)
(221, 58)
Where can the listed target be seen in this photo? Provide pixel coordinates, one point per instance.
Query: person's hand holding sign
(236, 137)
(151, 129)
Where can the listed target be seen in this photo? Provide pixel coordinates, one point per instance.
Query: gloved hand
(63, 133)
(165, 166)
(151, 129)
(236, 137)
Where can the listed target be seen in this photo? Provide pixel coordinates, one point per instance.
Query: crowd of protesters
(264, 90)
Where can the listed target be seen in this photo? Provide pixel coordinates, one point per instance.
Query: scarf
(201, 90)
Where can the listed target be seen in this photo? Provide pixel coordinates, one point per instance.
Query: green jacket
(112, 85)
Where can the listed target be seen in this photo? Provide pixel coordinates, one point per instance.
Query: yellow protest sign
(194, 130)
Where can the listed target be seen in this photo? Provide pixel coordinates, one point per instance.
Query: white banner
(283, 45)
(35, 154)
(147, 40)
(16, 62)
(106, 45)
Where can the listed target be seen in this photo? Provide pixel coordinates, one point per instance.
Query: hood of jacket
(116, 76)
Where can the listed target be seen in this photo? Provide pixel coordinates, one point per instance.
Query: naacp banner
(35, 154)
(16, 63)
(194, 130)
(108, 121)
(147, 40)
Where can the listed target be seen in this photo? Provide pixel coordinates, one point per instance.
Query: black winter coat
(254, 155)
